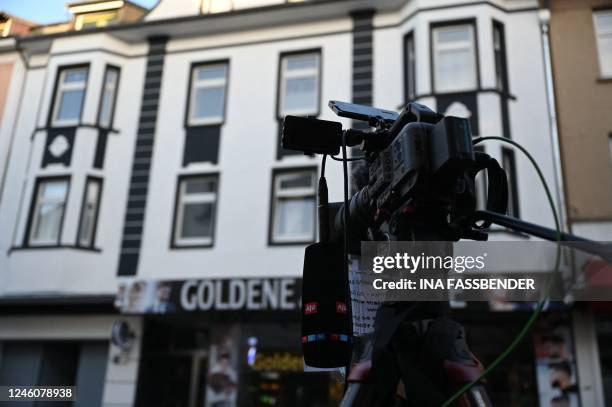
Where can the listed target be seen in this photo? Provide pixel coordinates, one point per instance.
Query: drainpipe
(544, 16)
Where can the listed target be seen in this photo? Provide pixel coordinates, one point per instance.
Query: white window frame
(457, 45)
(90, 238)
(602, 32)
(299, 73)
(112, 88)
(207, 83)
(38, 202)
(298, 192)
(61, 87)
(202, 197)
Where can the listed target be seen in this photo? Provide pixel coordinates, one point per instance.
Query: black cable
(347, 159)
(323, 165)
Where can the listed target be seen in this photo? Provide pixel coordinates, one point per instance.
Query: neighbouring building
(580, 35)
(152, 227)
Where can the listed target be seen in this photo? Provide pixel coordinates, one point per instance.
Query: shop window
(208, 94)
(195, 211)
(299, 84)
(48, 207)
(69, 96)
(454, 58)
(89, 212)
(108, 96)
(293, 206)
(603, 31)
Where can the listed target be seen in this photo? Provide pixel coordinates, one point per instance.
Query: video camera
(421, 167)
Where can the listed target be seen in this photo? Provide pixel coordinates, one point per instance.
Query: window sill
(176, 246)
(290, 243)
(51, 247)
(604, 79)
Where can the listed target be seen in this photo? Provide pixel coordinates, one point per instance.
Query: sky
(48, 11)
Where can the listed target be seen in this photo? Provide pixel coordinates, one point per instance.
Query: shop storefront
(223, 343)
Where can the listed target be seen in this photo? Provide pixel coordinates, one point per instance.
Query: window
(499, 52)
(293, 210)
(208, 93)
(454, 58)
(195, 212)
(89, 212)
(481, 184)
(603, 31)
(410, 61)
(94, 20)
(49, 203)
(108, 97)
(69, 96)
(509, 165)
(299, 84)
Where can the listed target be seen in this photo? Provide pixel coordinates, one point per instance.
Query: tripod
(418, 356)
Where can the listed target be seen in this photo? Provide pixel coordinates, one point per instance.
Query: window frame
(53, 108)
(502, 69)
(175, 241)
(111, 114)
(513, 193)
(217, 121)
(276, 174)
(32, 217)
(410, 93)
(433, 26)
(96, 180)
(596, 32)
(280, 85)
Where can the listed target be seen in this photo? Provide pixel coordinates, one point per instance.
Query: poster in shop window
(222, 375)
(556, 365)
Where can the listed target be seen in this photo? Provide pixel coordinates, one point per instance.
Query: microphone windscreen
(326, 336)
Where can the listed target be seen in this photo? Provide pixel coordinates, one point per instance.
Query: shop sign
(161, 297)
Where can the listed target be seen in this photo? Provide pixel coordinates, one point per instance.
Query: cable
(323, 165)
(347, 159)
(536, 313)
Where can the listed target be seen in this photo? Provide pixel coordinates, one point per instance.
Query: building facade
(151, 225)
(581, 60)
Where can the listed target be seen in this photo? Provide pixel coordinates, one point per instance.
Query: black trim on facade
(280, 151)
(180, 179)
(58, 73)
(34, 197)
(449, 23)
(100, 183)
(69, 133)
(141, 165)
(202, 144)
(100, 152)
(363, 60)
(289, 170)
(409, 71)
(108, 68)
(90, 304)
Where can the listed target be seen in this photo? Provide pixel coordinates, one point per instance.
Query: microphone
(326, 336)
